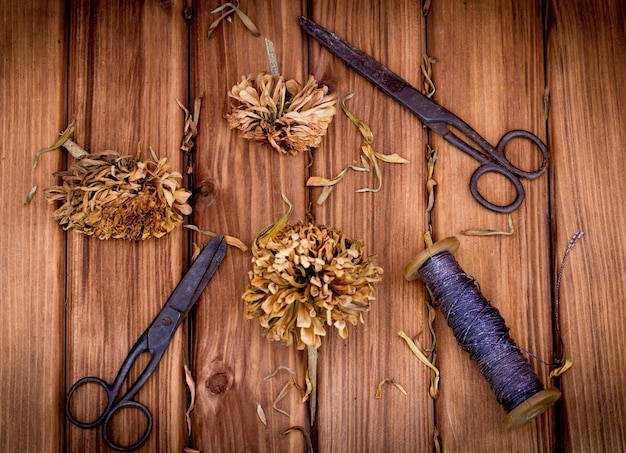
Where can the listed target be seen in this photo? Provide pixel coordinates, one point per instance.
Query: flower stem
(312, 373)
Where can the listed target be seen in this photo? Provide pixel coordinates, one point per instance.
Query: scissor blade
(381, 76)
(195, 280)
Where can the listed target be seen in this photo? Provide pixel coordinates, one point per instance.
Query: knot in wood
(218, 382)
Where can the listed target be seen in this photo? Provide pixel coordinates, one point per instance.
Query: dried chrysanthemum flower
(283, 113)
(307, 275)
(111, 196)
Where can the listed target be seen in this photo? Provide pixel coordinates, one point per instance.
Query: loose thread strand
(557, 321)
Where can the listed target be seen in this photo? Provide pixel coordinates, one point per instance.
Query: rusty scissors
(444, 123)
(154, 341)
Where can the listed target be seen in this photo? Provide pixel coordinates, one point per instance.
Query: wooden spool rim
(531, 408)
(450, 245)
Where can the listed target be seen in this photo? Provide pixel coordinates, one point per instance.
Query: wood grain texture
(391, 222)
(117, 69)
(32, 108)
(231, 358)
(586, 72)
(127, 66)
(490, 73)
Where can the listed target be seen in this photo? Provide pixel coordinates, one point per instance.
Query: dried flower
(308, 275)
(111, 196)
(283, 113)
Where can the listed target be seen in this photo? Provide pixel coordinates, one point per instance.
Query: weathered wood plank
(127, 67)
(230, 357)
(391, 222)
(586, 49)
(490, 73)
(32, 108)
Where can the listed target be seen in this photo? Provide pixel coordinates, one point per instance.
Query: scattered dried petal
(62, 139)
(229, 9)
(272, 230)
(379, 388)
(192, 392)
(291, 382)
(369, 161)
(305, 433)
(489, 232)
(565, 365)
(427, 72)
(261, 413)
(290, 118)
(230, 240)
(31, 194)
(434, 389)
(190, 130)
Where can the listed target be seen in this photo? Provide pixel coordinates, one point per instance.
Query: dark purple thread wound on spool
(480, 331)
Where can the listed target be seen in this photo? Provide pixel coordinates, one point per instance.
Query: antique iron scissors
(444, 123)
(154, 341)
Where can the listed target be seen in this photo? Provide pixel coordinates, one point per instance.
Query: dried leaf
(379, 388)
(261, 413)
(230, 240)
(434, 390)
(489, 232)
(192, 391)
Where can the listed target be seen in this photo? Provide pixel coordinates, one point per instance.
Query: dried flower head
(283, 113)
(308, 275)
(110, 196)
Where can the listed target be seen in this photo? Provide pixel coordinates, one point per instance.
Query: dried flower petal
(110, 196)
(434, 385)
(288, 117)
(192, 393)
(369, 158)
(261, 413)
(306, 276)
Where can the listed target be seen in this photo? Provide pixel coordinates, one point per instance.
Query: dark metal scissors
(491, 159)
(154, 341)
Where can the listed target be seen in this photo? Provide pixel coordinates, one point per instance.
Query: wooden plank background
(74, 305)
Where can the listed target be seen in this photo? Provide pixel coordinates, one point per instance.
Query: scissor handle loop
(520, 133)
(125, 405)
(109, 411)
(110, 398)
(492, 167)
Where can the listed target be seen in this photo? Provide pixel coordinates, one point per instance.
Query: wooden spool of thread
(481, 331)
